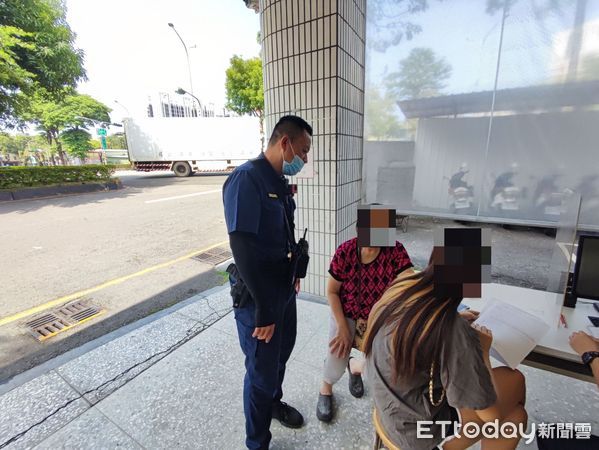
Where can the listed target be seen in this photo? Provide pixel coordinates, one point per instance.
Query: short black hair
(292, 126)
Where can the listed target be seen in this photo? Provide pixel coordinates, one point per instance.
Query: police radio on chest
(303, 257)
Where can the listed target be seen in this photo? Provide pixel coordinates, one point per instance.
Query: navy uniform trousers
(265, 368)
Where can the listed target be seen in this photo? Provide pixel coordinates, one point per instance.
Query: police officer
(259, 212)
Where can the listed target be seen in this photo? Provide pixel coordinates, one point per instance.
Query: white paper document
(515, 331)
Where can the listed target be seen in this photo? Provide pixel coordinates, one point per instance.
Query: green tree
(541, 10)
(73, 112)
(36, 52)
(244, 87)
(12, 75)
(24, 145)
(12, 144)
(77, 142)
(381, 123)
(421, 74)
(116, 140)
(392, 21)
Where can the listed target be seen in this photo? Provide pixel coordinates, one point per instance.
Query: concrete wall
(388, 169)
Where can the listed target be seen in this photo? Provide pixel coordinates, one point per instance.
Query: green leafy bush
(18, 177)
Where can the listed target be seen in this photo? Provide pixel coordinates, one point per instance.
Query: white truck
(187, 145)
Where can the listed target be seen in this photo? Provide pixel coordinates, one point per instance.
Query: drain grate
(62, 319)
(214, 256)
(79, 311)
(47, 326)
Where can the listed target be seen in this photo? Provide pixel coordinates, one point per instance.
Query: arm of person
(595, 369)
(242, 200)
(469, 315)
(468, 380)
(340, 345)
(486, 338)
(255, 274)
(339, 270)
(582, 342)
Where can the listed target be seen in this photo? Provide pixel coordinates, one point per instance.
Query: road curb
(19, 379)
(58, 190)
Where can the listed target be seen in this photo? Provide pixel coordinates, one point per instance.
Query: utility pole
(186, 54)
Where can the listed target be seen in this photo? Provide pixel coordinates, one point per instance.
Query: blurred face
(462, 262)
(376, 226)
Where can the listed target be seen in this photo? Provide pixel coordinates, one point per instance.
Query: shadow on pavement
(31, 353)
(133, 183)
(67, 201)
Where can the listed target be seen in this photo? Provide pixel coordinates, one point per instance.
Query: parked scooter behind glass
(505, 195)
(461, 192)
(547, 199)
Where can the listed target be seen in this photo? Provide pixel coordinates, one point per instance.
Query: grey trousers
(334, 366)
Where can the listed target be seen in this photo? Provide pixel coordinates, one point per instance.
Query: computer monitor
(585, 283)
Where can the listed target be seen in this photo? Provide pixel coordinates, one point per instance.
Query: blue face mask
(294, 167)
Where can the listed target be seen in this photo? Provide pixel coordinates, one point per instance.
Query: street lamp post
(182, 91)
(186, 54)
(122, 106)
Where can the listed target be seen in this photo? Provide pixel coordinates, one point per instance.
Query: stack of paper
(515, 332)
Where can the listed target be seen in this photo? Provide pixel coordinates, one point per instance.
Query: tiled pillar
(313, 60)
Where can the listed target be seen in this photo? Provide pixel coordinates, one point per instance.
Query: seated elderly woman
(427, 364)
(360, 272)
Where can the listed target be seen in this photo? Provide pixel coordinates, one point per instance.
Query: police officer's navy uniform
(259, 216)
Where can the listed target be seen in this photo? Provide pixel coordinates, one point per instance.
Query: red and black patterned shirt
(364, 284)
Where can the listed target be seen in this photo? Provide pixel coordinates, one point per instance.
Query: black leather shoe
(324, 408)
(356, 386)
(287, 415)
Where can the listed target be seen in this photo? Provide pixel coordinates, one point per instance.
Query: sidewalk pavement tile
(314, 352)
(311, 318)
(104, 363)
(90, 430)
(350, 428)
(312, 315)
(30, 403)
(210, 307)
(172, 404)
(193, 397)
(227, 325)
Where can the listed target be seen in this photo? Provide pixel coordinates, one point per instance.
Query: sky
(132, 53)
(462, 33)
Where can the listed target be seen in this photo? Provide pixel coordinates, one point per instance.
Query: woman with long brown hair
(427, 364)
